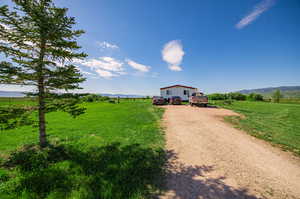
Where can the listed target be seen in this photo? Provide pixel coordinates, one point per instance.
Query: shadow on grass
(194, 182)
(112, 171)
(109, 172)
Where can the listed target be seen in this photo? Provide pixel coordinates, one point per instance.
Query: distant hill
(287, 91)
(11, 94)
(21, 94)
(122, 95)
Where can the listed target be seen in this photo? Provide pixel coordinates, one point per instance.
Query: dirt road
(210, 159)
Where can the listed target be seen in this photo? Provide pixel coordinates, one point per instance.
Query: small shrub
(217, 96)
(94, 98)
(227, 102)
(237, 96)
(3, 176)
(112, 101)
(255, 97)
(104, 98)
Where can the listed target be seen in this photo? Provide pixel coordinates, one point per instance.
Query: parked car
(157, 100)
(175, 100)
(198, 99)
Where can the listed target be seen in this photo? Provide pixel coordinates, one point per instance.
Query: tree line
(276, 96)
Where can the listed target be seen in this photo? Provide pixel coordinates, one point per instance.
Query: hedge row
(236, 96)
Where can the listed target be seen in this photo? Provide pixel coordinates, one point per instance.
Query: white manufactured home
(177, 90)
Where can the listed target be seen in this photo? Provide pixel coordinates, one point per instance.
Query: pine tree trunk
(42, 120)
(41, 93)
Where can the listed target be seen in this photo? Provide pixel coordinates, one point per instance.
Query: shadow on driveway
(191, 182)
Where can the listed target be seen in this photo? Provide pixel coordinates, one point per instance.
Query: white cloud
(106, 67)
(256, 12)
(175, 68)
(109, 67)
(105, 63)
(137, 66)
(75, 61)
(85, 72)
(106, 45)
(173, 53)
(106, 74)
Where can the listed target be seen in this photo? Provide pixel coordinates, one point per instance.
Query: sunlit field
(111, 151)
(274, 122)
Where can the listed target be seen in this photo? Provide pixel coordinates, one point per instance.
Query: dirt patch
(208, 158)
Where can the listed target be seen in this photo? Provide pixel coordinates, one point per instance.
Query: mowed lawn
(278, 123)
(112, 151)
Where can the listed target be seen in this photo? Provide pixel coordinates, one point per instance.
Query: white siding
(177, 91)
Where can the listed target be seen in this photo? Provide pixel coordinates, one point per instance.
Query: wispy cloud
(106, 74)
(173, 53)
(106, 63)
(137, 66)
(106, 67)
(106, 45)
(255, 13)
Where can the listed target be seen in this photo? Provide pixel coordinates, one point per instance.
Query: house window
(168, 92)
(185, 92)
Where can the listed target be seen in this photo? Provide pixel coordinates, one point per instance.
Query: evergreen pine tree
(39, 44)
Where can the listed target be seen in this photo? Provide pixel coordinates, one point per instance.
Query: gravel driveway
(210, 159)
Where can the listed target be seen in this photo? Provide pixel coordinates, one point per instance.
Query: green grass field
(276, 123)
(290, 101)
(112, 151)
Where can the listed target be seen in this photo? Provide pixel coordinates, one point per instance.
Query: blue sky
(138, 46)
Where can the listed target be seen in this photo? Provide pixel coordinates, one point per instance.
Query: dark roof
(177, 86)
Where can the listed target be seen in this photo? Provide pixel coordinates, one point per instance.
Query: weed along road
(208, 158)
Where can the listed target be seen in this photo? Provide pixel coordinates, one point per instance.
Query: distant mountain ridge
(287, 91)
(22, 94)
(122, 95)
(12, 94)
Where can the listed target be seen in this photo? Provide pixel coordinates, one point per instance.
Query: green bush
(94, 98)
(3, 176)
(226, 96)
(237, 96)
(217, 96)
(255, 97)
(104, 98)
